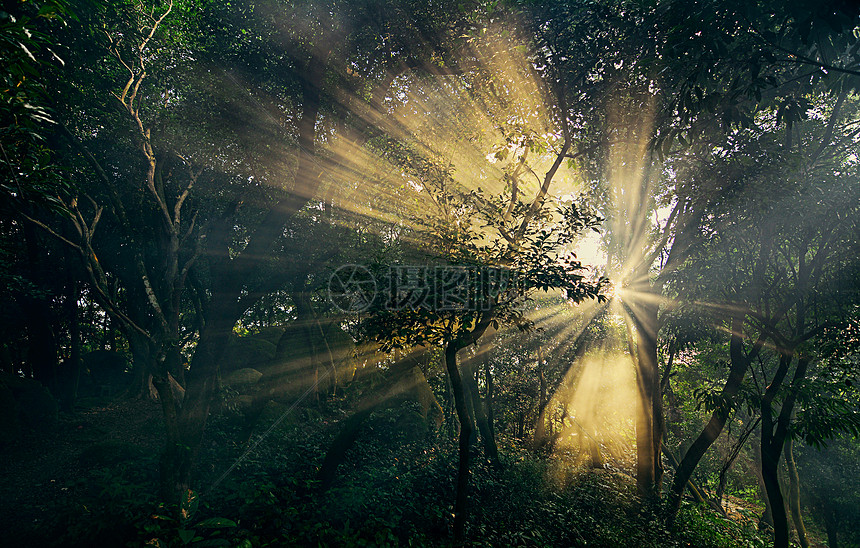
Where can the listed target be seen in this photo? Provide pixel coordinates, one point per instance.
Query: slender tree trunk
(488, 401)
(694, 489)
(830, 524)
(766, 519)
(461, 500)
(642, 343)
(488, 439)
(540, 437)
(794, 493)
(471, 410)
(734, 452)
(647, 348)
(770, 474)
(773, 437)
(739, 365)
(771, 449)
(141, 366)
(721, 486)
(72, 371)
(692, 457)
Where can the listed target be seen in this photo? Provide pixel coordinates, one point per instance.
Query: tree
(30, 186)
(777, 271)
(493, 251)
(192, 226)
(734, 75)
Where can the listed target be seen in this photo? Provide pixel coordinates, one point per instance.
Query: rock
(18, 385)
(242, 403)
(302, 355)
(242, 378)
(268, 334)
(25, 402)
(293, 345)
(247, 352)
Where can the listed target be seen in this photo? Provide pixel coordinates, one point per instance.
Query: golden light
(617, 291)
(441, 120)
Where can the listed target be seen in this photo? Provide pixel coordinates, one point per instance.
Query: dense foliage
(417, 273)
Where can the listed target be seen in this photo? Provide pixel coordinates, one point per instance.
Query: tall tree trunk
(642, 344)
(142, 366)
(770, 474)
(773, 437)
(830, 524)
(644, 449)
(185, 436)
(540, 437)
(72, 369)
(488, 400)
(647, 349)
(229, 278)
(461, 499)
(450, 415)
(766, 520)
(739, 364)
(488, 439)
(174, 470)
(794, 493)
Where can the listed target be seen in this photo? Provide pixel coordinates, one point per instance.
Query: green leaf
(217, 522)
(188, 506)
(186, 535)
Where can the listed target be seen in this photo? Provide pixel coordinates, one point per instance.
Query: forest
(430, 273)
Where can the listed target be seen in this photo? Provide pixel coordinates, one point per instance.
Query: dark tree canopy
(429, 273)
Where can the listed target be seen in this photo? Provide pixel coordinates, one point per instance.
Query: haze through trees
(198, 170)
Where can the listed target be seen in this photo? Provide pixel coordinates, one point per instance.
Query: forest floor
(53, 471)
(40, 467)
